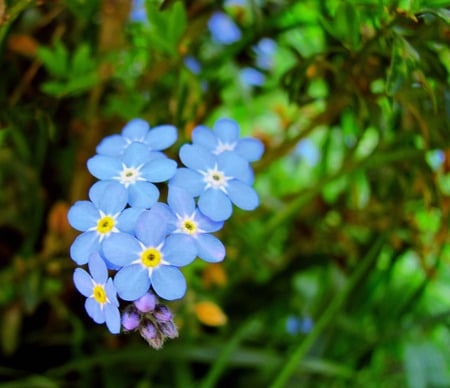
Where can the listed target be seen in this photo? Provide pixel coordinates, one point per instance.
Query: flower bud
(146, 303)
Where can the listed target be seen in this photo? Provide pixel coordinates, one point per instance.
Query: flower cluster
(127, 232)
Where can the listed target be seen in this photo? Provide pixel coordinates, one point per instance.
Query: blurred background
(340, 278)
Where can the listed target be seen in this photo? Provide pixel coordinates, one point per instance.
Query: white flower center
(129, 175)
(221, 147)
(216, 179)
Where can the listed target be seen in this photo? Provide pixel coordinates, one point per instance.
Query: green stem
(329, 316)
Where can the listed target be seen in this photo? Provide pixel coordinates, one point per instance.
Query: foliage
(339, 278)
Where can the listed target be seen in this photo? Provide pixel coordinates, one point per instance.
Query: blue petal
(94, 310)
(126, 222)
(104, 167)
(161, 137)
(109, 196)
(168, 282)
(83, 246)
(179, 249)
(159, 170)
(207, 224)
(83, 215)
(135, 130)
(135, 155)
(226, 130)
(242, 195)
(235, 166)
(83, 282)
(151, 228)
(97, 268)
(204, 137)
(112, 317)
(250, 149)
(112, 145)
(188, 179)
(111, 292)
(180, 201)
(196, 157)
(215, 204)
(210, 248)
(121, 249)
(132, 282)
(142, 194)
(223, 29)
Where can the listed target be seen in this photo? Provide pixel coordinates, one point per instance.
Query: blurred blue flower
(251, 77)
(101, 303)
(219, 181)
(99, 218)
(190, 227)
(307, 150)
(235, 3)
(136, 170)
(225, 136)
(435, 158)
(138, 131)
(265, 50)
(138, 12)
(192, 64)
(295, 324)
(151, 259)
(223, 29)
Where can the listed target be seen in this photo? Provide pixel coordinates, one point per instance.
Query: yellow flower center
(189, 227)
(151, 257)
(105, 224)
(99, 294)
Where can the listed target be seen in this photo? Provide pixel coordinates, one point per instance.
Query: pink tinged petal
(109, 196)
(226, 130)
(97, 268)
(142, 194)
(242, 195)
(104, 167)
(135, 155)
(189, 180)
(121, 249)
(250, 149)
(83, 282)
(196, 157)
(161, 137)
(111, 146)
(151, 228)
(168, 282)
(210, 248)
(132, 282)
(112, 317)
(94, 310)
(215, 204)
(83, 215)
(179, 250)
(146, 303)
(204, 137)
(83, 246)
(135, 130)
(180, 201)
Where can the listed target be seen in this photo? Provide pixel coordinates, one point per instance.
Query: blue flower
(218, 180)
(136, 170)
(223, 29)
(251, 77)
(192, 64)
(101, 303)
(307, 150)
(190, 227)
(225, 137)
(99, 218)
(151, 259)
(265, 50)
(138, 131)
(138, 12)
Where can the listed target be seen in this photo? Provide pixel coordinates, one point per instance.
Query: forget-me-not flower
(265, 50)
(225, 136)
(99, 218)
(223, 29)
(251, 77)
(136, 170)
(190, 227)
(218, 180)
(138, 131)
(151, 259)
(101, 303)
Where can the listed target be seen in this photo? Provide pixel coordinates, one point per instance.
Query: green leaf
(54, 60)
(347, 24)
(442, 13)
(82, 61)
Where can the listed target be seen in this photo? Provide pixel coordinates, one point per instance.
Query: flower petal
(242, 195)
(188, 179)
(121, 249)
(161, 137)
(180, 201)
(104, 167)
(111, 292)
(151, 228)
(168, 282)
(109, 196)
(235, 166)
(97, 268)
(207, 224)
(179, 249)
(112, 317)
(126, 221)
(94, 310)
(159, 170)
(132, 282)
(203, 136)
(83, 215)
(142, 194)
(83, 246)
(135, 155)
(112, 145)
(215, 205)
(135, 130)
(226, 130)
(250, 149)
(196, 157)
(83, 282)
(210, 248)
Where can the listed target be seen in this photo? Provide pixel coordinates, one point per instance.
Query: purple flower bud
(169, 329)
(146, 303)
(130, 320)
(148, 330)
(162, 313)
